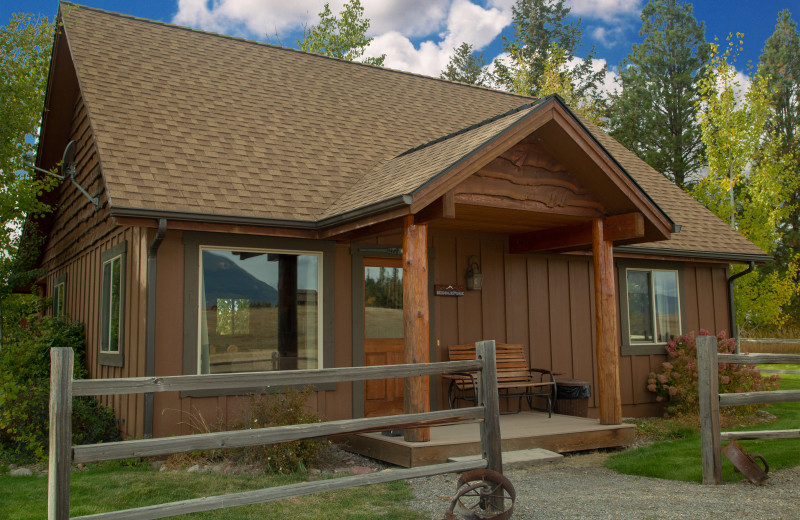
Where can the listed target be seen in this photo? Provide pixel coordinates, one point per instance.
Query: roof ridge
(288, 49)
(472, 127)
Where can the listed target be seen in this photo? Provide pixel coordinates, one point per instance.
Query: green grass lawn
(110, 487)
(681, 459)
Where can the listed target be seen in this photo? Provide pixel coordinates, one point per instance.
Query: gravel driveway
(580, 488)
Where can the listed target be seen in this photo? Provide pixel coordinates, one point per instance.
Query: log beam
(606, 326)
(416, 396)
(578, 236)
(442, 208)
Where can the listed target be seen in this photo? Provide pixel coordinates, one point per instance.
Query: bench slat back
(511, 361)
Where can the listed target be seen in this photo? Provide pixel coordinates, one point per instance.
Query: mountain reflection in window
(259, 310)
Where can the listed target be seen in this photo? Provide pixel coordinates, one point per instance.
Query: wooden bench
(515, 378)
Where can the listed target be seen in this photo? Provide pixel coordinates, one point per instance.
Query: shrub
(282, 409)
(25, 389)
(676, 383)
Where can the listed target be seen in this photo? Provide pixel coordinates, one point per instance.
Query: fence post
(708, 393)
(487, 385)
(61, 362)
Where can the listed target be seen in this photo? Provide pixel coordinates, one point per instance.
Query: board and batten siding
(73, 249)
(546, 302)
(175, 414)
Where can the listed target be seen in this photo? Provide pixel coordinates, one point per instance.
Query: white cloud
(465, 22)
(608, 37)
(259, 18)
(407, 17)
(608, 10)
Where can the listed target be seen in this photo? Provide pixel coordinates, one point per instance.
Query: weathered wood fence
(63, 454)
(770, 345)
(708, 361)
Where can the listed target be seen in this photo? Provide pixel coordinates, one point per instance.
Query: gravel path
(580, 488)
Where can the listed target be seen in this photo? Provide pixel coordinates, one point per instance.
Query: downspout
(150, 347)
(732, 305)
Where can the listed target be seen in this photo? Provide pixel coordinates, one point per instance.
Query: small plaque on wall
(448, 290)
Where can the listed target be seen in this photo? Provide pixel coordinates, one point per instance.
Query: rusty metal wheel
(482, 494)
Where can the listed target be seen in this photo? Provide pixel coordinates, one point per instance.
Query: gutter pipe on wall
(150, 347)
(732, 305)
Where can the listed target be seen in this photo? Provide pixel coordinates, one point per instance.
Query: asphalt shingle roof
(199, 123)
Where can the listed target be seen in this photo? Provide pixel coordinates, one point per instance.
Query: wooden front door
(383, 333)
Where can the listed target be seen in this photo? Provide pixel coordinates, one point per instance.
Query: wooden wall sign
(448, 290)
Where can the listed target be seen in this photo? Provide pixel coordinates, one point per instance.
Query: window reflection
(258, 311)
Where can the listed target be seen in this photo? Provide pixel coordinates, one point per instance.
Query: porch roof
(192, 125)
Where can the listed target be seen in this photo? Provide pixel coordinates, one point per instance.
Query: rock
(157, 464)
(193, 469)
(314, 471)
(162, 469)
(21, 472)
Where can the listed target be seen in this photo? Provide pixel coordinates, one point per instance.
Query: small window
(59, 296)
(112, 300)
(653, 306)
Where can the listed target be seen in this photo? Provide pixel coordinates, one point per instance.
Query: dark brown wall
(546, 302)
(73, 247)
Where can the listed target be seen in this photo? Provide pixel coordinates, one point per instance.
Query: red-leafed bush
(676, 383)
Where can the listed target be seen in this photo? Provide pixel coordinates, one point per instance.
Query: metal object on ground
(482, 494)
(745, 463)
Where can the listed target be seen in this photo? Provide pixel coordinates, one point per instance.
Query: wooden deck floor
(561, 433)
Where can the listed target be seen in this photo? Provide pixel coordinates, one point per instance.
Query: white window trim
(320, 295)
(653, 304)
(59, 288)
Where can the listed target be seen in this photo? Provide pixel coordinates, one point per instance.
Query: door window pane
(383, 302)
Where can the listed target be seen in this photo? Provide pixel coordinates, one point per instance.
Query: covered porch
(505, 198)
(525, 430)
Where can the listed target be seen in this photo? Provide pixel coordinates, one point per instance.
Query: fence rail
(63, 454)
(708, 361)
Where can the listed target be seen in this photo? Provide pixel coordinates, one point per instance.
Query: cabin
(260, 208)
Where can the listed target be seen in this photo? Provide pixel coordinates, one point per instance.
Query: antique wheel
(483, 494)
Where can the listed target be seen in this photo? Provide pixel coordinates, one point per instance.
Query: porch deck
(561, 434)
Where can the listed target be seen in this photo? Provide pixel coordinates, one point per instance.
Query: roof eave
(686, 253)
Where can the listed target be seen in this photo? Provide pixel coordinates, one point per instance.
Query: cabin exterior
(261, 208)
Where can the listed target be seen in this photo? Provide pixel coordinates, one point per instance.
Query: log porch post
(606, 324)
(416, 396)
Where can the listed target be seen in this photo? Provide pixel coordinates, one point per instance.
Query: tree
(25, 47)
(655, 113)
(780, 65)
(539, 25)
(746, 181)
(467, 67)
(343, 37)
(557, 79)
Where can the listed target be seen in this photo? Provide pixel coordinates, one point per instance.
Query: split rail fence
(63, 453)
(708, 360)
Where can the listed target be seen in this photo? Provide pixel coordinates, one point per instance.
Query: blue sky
(418, 35)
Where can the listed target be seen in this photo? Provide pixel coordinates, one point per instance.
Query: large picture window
(653, 305)
(259, 310)
(112, 305)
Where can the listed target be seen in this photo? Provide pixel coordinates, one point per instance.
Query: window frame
(197, 241)
(105, 355)
(59, 292)
(628, 347)
(297, 253)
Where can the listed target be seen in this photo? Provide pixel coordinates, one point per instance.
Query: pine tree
(655, 115)
(467, 67)
(780, 65)
(539, 25)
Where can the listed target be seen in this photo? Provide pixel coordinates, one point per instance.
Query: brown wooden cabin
(255, 200)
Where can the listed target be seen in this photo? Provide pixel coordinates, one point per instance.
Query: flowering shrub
(676, 384)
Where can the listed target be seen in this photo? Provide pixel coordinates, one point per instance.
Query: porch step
(519, 458)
